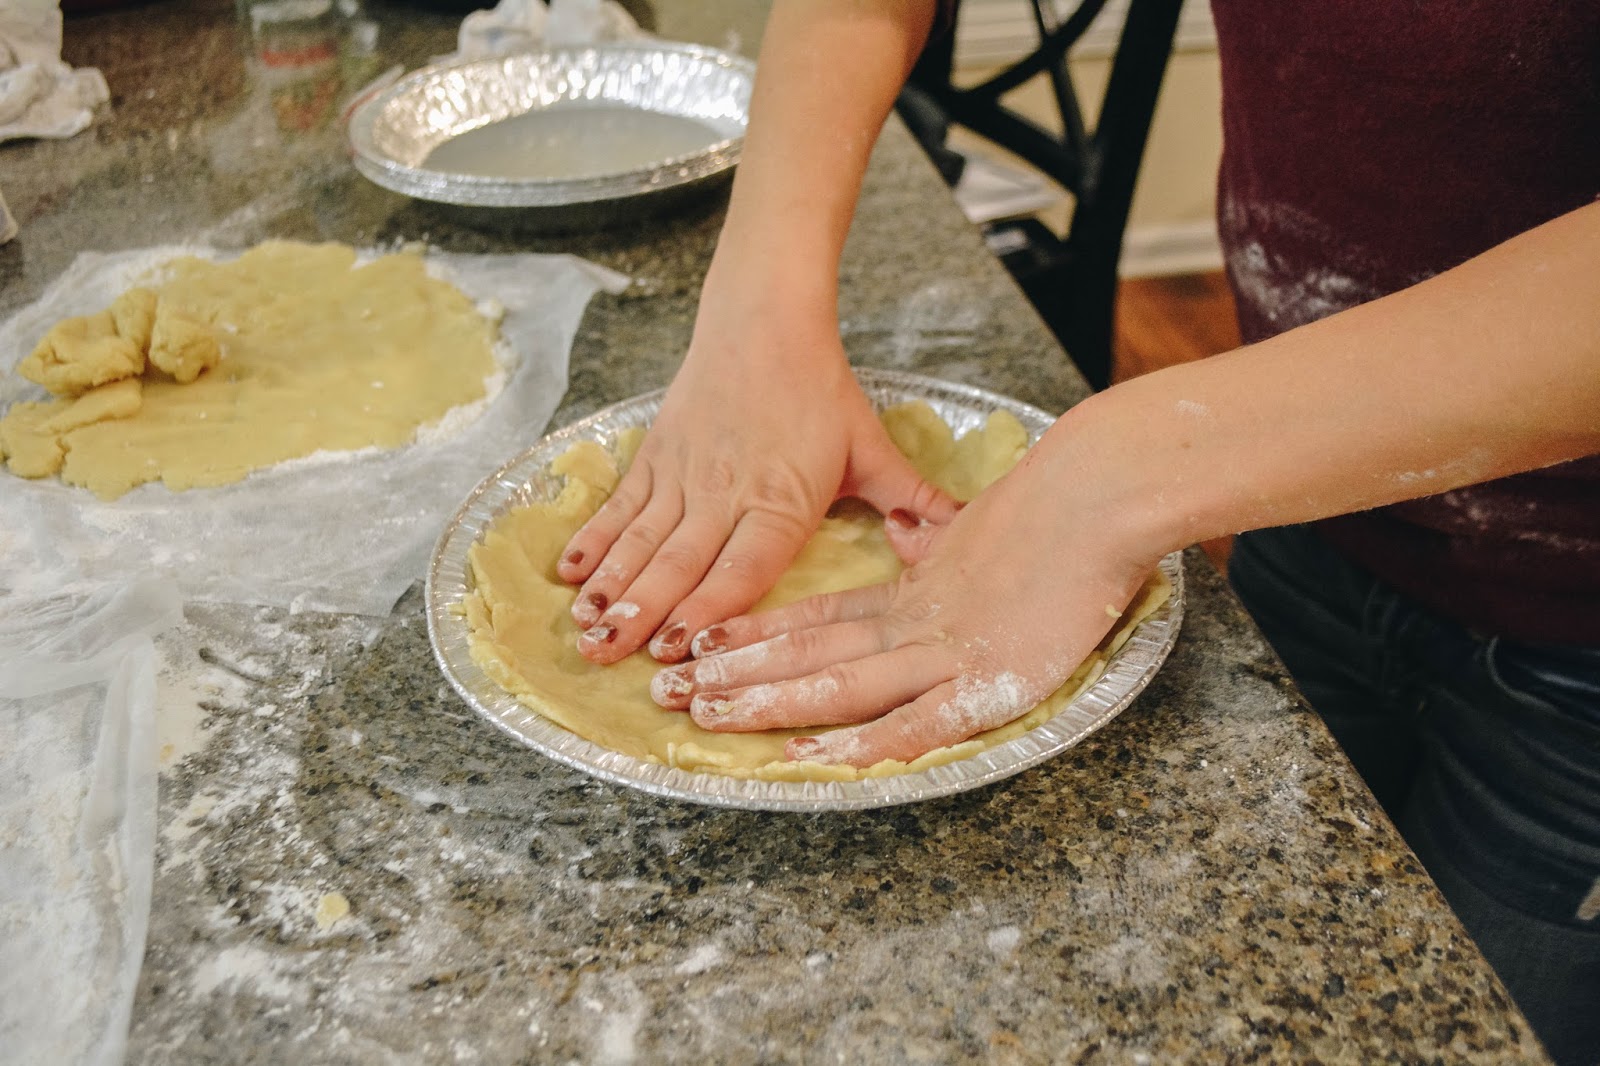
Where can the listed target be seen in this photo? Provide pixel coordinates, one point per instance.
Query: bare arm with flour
(1482, 371)
(764, 425)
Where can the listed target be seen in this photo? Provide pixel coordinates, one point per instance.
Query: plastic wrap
(77, 816)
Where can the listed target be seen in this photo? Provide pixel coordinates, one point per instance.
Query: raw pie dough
(224, 368)
(522, 634)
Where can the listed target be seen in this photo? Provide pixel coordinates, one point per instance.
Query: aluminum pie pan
(391, 133)
(527, 479)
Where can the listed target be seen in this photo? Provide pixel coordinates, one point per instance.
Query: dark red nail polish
(596, 600)
(710, 641)
(604, 633)
(803, 747)
(671, 638)
(573, 558)
(671, 685)
(903, 519)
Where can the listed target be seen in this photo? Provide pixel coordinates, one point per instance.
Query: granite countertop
(1204, 879)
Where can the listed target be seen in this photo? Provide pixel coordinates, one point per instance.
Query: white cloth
(520, 25)
(40, 96)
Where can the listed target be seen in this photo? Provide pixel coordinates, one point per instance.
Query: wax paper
(343, 532)
(77, 816)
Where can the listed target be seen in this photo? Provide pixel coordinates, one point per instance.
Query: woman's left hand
(1011, 596)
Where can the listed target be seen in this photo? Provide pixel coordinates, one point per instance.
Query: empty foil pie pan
(527, 478)
(393, 133)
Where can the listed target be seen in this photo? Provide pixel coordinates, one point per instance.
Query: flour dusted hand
(1011, 598)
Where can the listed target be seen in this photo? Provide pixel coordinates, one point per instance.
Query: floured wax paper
(343, 532)
(77, 816)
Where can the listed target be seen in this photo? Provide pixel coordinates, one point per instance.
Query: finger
(826, 609)
(750, 563)
(789, 655)
(631, 550)
(947, 714)
(588, 547)
(669, 575)
(845, 693)
(887, 480)
(910, 537)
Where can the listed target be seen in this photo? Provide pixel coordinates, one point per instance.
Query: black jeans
(1485, 753)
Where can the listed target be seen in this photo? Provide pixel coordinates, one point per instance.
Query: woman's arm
(1486, 370)
(764, 425)
(830, 71)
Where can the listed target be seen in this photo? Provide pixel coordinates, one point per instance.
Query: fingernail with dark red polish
(669, 686)
(573, 558)
(669, 640)
(803, 747)
(710, 641)
(597, 601)
(903, 520)
(604, 633)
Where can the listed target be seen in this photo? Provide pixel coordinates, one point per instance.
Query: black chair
(1072, 281)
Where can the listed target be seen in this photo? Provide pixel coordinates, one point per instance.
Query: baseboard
(1188, 248)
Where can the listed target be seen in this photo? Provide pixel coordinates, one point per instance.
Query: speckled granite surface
(1204, 880)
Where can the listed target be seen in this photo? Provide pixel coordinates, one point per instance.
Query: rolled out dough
(219, 369)
(522, 635)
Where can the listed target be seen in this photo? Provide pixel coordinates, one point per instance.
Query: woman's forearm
(1483, 371)
(828, 75)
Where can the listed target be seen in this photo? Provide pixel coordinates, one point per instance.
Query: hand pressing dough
(522, 635)
(225, 368)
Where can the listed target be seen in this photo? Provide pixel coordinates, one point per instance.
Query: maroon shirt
(1369, 144)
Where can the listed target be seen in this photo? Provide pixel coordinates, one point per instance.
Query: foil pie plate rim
(467, 190)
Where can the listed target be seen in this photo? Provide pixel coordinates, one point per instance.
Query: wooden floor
(1169, 320)
(1162, 321)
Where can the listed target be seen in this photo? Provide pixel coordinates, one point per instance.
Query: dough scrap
(29, 448)
(521, 633)
(182, 345)
(134, 313)
(119, 399)
(79, 353)
(288, 350)
(332, 908)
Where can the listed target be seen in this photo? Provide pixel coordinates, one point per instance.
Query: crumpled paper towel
(40, 96)
(520, 25)
(77, 816)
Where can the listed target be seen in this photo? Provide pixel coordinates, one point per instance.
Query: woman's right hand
(761, 431)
